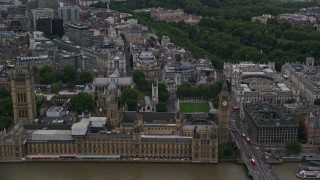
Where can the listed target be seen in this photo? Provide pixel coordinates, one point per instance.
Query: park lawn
(194, 107)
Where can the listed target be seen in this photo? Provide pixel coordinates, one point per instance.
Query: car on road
(247, 140)
(243, 135)
(235, 109)
(253, 161)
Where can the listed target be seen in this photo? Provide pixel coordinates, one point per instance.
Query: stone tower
(155, 90)
(11, 143)
(177, 78)
(224, 108)
(23, 95)
(310, 61)
(112, 103)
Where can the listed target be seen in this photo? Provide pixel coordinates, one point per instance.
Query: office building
(79, 34)
(267, 123)
(57, 27)
(69, 13)
(52, 4)
(44, 24)
(41, 13)
(259, 83)
(305, 77)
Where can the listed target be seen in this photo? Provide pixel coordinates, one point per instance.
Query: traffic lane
(245, 150)
(250, 150)
(250, 153)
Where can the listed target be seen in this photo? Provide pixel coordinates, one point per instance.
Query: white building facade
(259, 83)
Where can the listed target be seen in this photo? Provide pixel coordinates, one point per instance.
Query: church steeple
(139, 118)
(155, 90)
(86, 113)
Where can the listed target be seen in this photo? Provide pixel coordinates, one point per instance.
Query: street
(261, 169)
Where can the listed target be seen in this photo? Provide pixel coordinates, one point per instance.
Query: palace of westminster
(126, 134)
(144, 133)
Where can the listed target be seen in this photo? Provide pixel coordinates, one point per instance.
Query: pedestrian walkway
(211, 108)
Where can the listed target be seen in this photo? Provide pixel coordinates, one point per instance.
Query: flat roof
(159, 125)
(52, 132)
(269, 116)
(55, 109)
(51, 135)
(253, 73)
(80, 128)
(283, 87)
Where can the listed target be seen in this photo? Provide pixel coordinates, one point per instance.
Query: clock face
(224, 103)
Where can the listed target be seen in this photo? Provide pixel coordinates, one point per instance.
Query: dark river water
(133, 171)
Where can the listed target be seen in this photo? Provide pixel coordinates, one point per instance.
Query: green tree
(215, 103)
(130, 97)
(85, 77)
(4, 92)
(56, 87)
(162, 107)
(206, 92)
(212, 117)
(138, 77)
(47, 75)
(227, 152)
(69, 74)
(163, 92)
(141, 82)
(5, 122)
(293, 147)
(230, 30)
(291, 101)
(47, 78)
(6, 107)
(317, 102)
(184, 90)
(81, 101)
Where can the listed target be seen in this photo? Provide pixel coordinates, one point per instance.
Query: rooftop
(52, 132)
(80, 128)
(165, 138)
(51, 135)
(309, 76)
(269, 116)
(55, 109)
(149, 117)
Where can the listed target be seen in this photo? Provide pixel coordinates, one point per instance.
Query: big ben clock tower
(224, 107)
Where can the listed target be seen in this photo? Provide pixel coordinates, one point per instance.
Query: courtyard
(194, 107)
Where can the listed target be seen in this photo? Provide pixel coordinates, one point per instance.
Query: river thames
(133, 171)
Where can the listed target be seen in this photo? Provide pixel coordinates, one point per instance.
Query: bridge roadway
(262, 169)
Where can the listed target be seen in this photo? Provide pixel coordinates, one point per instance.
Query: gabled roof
(112, 85)
(116, 72)
(106, 81)
(87, 89)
